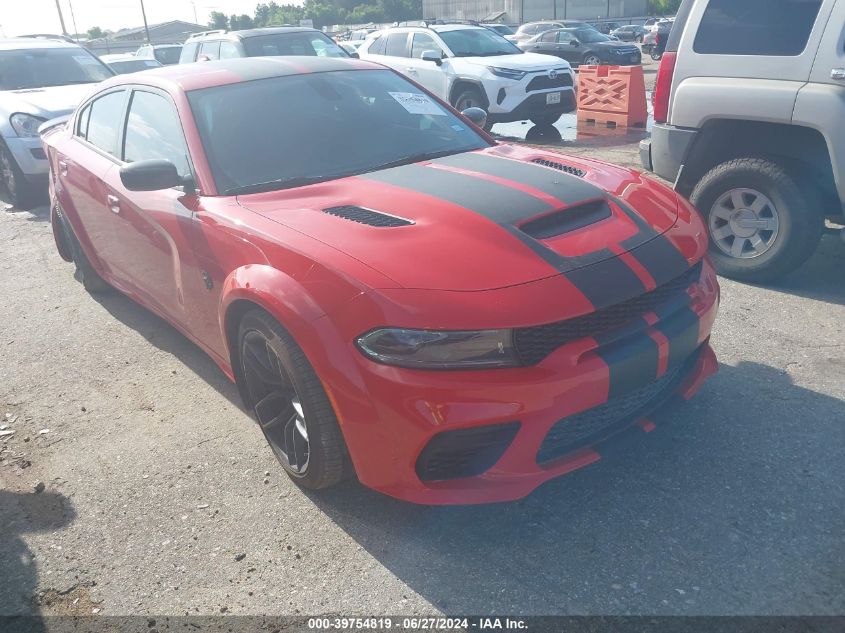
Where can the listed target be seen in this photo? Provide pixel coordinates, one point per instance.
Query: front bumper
(30, 157)
(535, 105)
(391, 417)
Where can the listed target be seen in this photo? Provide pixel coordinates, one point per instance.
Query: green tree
(240, 22)
(95, 32)
(664, 7)
(218, 20)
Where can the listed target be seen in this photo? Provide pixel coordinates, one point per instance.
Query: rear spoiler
(52, 123)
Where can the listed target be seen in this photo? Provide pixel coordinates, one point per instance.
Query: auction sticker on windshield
(417, 103)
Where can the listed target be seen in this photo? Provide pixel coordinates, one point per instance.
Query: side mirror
(432, 56)
(151, 175)
(354, 55)
(203, 58)
(575, 43)
(476, 115)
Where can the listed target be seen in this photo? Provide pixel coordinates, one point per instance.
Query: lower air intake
(464, 452)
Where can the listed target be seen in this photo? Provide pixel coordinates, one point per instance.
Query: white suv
(472, 66)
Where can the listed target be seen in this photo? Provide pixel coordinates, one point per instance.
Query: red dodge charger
(396, 295)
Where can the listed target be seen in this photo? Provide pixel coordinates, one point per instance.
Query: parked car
(263, 42)
(629, 33)
(40, 79)
(764, 161)
(164, 54)
(649, 43)
(561, 299)
(584, 46)
(122, 63)
(605, 27)
(469, 66)
(532, 29)
(502, 29)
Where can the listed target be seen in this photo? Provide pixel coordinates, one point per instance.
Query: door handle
(62, 168)
(413, 71)
(838, 74)
(114, 203)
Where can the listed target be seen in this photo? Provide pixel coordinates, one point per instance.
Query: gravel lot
(161, 497)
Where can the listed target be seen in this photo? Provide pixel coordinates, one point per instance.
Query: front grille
(366, 216)
(544, 82)
(535, 343)
(592, 426)
(574, 171)
(464, 452)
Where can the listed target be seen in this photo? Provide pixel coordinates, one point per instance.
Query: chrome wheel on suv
(744, 223)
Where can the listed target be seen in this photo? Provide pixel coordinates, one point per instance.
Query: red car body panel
(198, 259)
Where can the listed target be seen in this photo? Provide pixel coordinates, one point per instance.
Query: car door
(83, 170)
(569, 47)
(427, 73)
(150, 226)
(395, 54)
(209, 51)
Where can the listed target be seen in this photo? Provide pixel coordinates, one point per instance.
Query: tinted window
(229, 50)
(423, 42)
(548, 36)
(756, 27)
(189, 53)
(153, 131)
(396, 45)
(168, 55)
(42, 67)
(310, 43)
(377, 47)
(104, 121)
(211, 50)
(272, 133)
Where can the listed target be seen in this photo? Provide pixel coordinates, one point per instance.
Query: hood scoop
(573, 171)
(567, 220)
(367, 216)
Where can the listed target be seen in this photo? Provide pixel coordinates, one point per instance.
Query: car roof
(247, 33)
(443, 28)
(18, 43)
(188, 77)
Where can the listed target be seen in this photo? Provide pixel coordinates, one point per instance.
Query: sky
(18, 17)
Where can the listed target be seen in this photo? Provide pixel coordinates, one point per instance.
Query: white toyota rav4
(470, 66)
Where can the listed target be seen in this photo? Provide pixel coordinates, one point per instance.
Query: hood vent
(567, 220)
(572, 171)
(367, 216)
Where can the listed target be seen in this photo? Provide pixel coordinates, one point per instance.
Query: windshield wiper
(281, 183)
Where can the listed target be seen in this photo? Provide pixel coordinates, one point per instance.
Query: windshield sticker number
(417, 103)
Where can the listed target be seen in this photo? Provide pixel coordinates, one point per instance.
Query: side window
(229, 50)
(377, 47)
(153, 131)
(756, 27)
(210, 50)
(564, 37)
(548, 36)
(82, 122)
(189, 53)
(397, 45)
(104, 121)
(423, 42)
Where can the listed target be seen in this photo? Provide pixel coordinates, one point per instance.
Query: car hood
(519, 61)
(478, 220)
(47, 103)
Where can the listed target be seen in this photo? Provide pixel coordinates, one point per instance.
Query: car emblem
(553, 74)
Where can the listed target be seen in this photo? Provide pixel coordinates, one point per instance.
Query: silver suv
(748, 108)
(40, 79)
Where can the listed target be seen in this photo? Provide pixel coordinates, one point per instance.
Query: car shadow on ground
(20, 514)
(168, 339)
(733, 507)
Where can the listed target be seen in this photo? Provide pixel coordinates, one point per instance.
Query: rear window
(756, 27)
(168, 55)
(397, 45)
(377, 47)
(309, 43)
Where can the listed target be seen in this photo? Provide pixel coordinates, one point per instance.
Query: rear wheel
(290, 403)
(21, 193)
(592, 60)
(762, 222)
(85, 272)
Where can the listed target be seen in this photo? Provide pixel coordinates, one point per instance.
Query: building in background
(519, 11)
(129, 40)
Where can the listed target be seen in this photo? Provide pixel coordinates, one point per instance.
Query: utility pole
(61, 17)
(73, 19)
(146, 28)
(194, 5)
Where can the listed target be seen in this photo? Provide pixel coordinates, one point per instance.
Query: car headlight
(25, 125)
(438, 349)
(507, 73)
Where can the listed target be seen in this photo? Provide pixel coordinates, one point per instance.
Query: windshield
(288, 131)
(44, 67)
(310, 43)
(591, 36)
(168, 54)
(477, 43)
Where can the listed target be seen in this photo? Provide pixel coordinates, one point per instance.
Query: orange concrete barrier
(613, 95)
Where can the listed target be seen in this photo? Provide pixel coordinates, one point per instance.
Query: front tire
(592, 60)
(290, 404)
(762, 224)
(545, 119)
(85, 273)
(21, 193)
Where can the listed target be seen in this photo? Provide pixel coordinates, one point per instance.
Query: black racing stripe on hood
(661, 259)
(566, 188)
(632, 364)
(607, 282)
(681, 330)
(499, 203)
